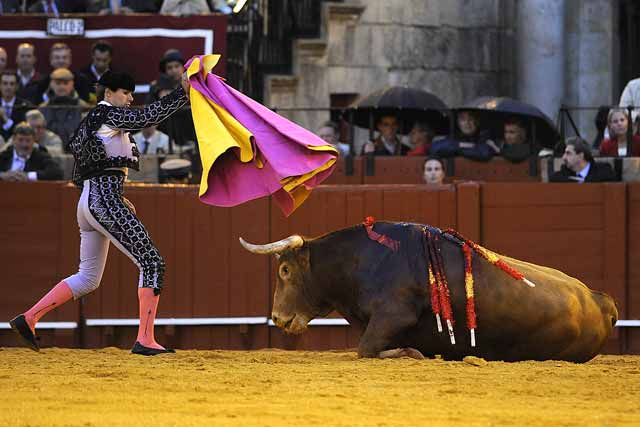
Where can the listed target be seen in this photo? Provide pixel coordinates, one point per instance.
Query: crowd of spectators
(51, 106)
(53, 103)
(169, 7)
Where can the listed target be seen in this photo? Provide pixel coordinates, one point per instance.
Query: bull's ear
(277, 255)
(303, 257)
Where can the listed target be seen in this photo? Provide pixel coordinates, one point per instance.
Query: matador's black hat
(115, 81)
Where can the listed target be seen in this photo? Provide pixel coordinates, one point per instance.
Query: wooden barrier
(585, 230)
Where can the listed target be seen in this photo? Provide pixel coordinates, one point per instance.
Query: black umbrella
(408, 104)
(494, 110)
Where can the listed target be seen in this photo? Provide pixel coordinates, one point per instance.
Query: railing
(260, 40)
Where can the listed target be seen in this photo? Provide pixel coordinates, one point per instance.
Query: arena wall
(584, 230)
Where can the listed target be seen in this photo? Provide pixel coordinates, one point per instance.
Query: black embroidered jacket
(88, 149)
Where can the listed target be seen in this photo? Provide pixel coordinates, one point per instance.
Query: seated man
(579, 166)
(44, 137)
(22, 162)
(63, 111)
(388, 143)
(12, 108)
(469, 142)
(515, 146)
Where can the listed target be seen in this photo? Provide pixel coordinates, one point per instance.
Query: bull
(385, 294)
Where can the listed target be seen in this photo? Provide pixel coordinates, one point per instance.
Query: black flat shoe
(21, 327)
(148, 351)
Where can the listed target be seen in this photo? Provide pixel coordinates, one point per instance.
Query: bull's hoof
(401, 352)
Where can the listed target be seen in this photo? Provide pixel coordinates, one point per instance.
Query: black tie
(146, 146)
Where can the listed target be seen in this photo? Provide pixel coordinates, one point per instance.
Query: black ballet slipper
(21, 327)
(148, 351)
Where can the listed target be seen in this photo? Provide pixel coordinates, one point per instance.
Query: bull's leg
(401, 352)
(383, 326)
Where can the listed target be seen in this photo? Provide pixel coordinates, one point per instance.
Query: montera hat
(115, 81)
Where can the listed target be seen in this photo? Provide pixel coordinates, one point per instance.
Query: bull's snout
(280, 321)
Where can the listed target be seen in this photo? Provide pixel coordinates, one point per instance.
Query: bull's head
(292, 309)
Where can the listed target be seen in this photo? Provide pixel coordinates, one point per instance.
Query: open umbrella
(494, 110)
(408, 104)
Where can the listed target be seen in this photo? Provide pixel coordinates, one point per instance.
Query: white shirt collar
(10, 103)
(18, 158)
(95, 72)
(585, 171)
(103, 102)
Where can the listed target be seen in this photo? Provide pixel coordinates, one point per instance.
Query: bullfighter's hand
(128, 203)
(185, 83)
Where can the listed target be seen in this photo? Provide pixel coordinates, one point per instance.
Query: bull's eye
(284, 271)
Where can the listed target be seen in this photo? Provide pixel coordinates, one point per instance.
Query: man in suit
(388, 143)
(60, 57)
(579, 165)
(101, 55)
(12, 108)
(28, 77)
(22, 163)
(55, 7)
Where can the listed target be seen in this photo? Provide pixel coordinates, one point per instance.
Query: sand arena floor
(110, 387)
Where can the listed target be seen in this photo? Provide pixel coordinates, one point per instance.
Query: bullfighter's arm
(152, 114)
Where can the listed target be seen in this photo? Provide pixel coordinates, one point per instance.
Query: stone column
(541, 53)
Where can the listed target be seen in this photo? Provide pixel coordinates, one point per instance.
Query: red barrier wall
(584, 230)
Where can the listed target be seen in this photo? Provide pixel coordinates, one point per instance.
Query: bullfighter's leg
(384, 324)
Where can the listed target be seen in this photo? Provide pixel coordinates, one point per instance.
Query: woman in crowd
(617, 144)
(434, 171)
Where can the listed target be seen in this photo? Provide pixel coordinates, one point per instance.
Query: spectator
(116, 7)
(171, 66)
(616, 145)
(23, 163)
(11, 7)
(184, 7)
(221, 6)
(388, 143)
(421, 137)
(179, 127)
(175, 171)
(151, 141)
(631, 97)
(579, 166)
(600, 121)
(12, 109)
(329, 133)
(44, 137)
(433, 171)
(470, 141)
(516, 148)
(63, 111)
(60, 57)
(28, 77)
(55, 7)
(101, 55)
(3, 59)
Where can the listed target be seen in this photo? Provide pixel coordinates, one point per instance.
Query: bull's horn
(290, 242)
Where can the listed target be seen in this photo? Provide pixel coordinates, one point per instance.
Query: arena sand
(110, 387)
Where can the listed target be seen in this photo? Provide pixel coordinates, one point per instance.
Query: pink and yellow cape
(247, 150)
